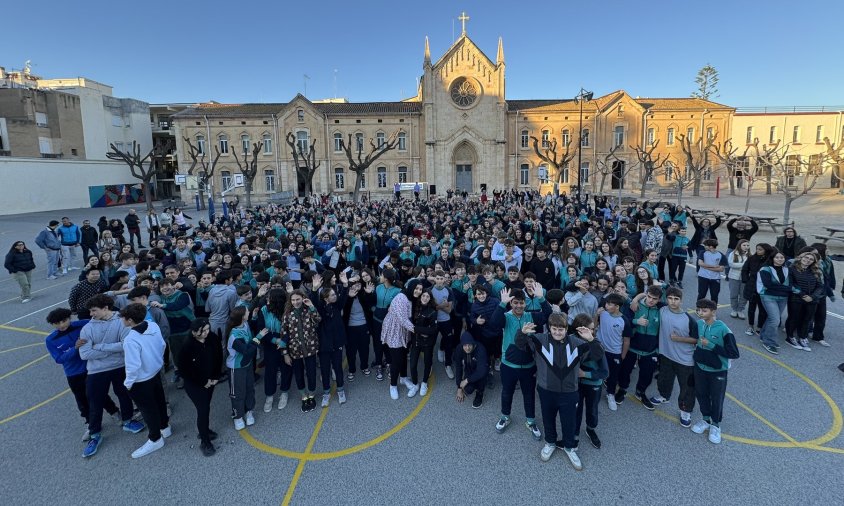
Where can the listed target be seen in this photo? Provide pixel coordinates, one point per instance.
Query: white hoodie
(143, 349)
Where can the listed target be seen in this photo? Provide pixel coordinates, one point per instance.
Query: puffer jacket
(299, 332)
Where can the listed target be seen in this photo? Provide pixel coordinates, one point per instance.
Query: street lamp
(583, 96)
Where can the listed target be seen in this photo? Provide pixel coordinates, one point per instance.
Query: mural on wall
(116, 194)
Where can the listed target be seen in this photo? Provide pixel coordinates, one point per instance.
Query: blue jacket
(70, 235)
(62, 347)
(485, 309)
(48, 240)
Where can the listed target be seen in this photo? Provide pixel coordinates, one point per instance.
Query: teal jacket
(720, 348)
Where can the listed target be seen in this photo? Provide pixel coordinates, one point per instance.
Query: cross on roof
(463, 18)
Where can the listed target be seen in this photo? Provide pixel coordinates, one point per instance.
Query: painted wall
(44, 185)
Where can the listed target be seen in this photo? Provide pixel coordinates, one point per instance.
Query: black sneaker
(305, 405)
(490, 382)
(619, 396)
(207, 448)
(379, 373)
(212, 436)
(479, 400)
(793, 343)
(645, 401)
(593, 438)
(559, 444)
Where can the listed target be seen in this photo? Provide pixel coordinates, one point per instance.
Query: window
(543, 173)
(707, 174)
(244, 143)
(687, 172)
(226, 179)
(772, 135)
(379, 139)
(669, 172)
(565, 174)
(525, 138)
(402, 174)
(200, 144)
(338, 142)
(710, 133)
(300, 115)
(815, 164)
(119, 146)
(402, 141)
(524, 174)
(545, 137)
(618, 136)
(269, 181)
(303, 141)
(819, 133)
(584, 138)
(795, 135)
(41, 119)
(72, 150)
(116, 120)
(792, 168)
(620, 111)
(224, 144)
(748, 137)
(690, 134)
(268, 144)
(566, 137)
(670, 141)
(339, 179)
(382, 177)
(363, 180)
(584, 173)
(650, 136)
(359, 142)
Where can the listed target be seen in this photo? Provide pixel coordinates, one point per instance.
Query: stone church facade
(458, 132)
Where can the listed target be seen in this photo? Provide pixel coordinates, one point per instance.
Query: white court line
(36, 311)
(835, 315)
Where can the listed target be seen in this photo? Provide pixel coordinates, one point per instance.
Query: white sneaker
(250, 418)
(394, 393)
(441, 356)
(742, 315)
(413, 390)
(64, 271)
(734, 314)
(166, 432)
(573, 458)
(714, 434)
(148, 448)
(239, 424)
(497, 364)
(282, 400)
(449, 372)
(700, 427)
(86, 436)
(824, 343)
(423, 390)
(341, 396)
(326, 398)
(611, 402)
(749, 331)
(805, 344)
(268, 404)
(24, 301)
(547, 451)
(406, 382)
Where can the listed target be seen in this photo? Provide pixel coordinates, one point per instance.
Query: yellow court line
(762, 419)
(33, 408)
(21, 347)
(301, 466)
(28, 331)
(21, 368)
(42, 289)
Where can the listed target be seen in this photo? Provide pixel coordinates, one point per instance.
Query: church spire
(499, 59)
(427, 52)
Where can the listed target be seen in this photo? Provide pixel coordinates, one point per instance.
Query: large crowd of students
(560, 298)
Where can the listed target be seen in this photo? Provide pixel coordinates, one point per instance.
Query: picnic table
(768, 220)
(831, 237)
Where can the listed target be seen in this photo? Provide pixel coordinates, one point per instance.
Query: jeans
(614, 366)
(242, 390)
(301, 367)
(428, 362)
(201, 398)
(737, 301)
(526, 378)
(398, 364)
(668, 370)
(357, 346)
(149, 397)
(774, 308)
(68, 256)
(53, 256)
(24, 279)
(713, 286)
(647, 367)
(800, 313)
(589, 396)
(77, 387)
(97, 390)
(710, 389)
(135, 232)
(564, 404)
(331, 360)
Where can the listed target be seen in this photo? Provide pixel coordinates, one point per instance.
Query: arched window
(269, 181)
(524, 174)
(359, 141)
(584, 138)
(338, 142)
(339, 179)
(268, 143)
(303, 141)
(402, 174)
(546, 136)
(244, 143)
(382, 177)
(300, 115)
(200, 144)
(402, 141)
(224, 144)
(379, 139)
(225, 179)
(566, 137)
(618, 136)
(525, 138)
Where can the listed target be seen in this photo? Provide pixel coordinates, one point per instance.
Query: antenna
(335, 83)
(305, 78)
(452, 29)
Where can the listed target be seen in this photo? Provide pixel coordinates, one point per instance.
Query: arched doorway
(464, 162)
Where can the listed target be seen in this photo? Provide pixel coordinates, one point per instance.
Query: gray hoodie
(221, 301)
(104, 349)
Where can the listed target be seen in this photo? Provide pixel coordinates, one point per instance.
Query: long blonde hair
(814, 267)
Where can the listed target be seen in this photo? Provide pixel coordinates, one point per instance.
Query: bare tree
(306, 163)
(604, 167)
(142, 167)
(678, 179)
(835, 157)
(727, 154)
(249, 169)
(206, 172)
(358, 163)
(647, 164)
(696, 154)
(766, 156)
(792, 176)
(549, 155)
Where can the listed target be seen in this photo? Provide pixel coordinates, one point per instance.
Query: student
(642, 347)
(444, 300)
(579, 299)
(48, 240)
(715, 347)
(807, 288)
(470, 369)
(222, 299)
(773, 284)
(385, 292)
(332, 335)
(103, 350)
(481, 312)
(300, 344)
(243, 348)
(143, 349)
(177, 308)
(593, 371)
(559, 355)
(63, 344)
(712, 263)
(199, 363)
(20, 264)
(269, 317)
(614, 328)
(395, 335)
(679, 256)
(677, 340)
(357, 316)
(828, 270)
(424, 338)
(736, 261)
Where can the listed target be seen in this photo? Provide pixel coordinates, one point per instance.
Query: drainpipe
(208, 146)
(277, 146)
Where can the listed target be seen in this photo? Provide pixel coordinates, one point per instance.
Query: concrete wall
(44, 185)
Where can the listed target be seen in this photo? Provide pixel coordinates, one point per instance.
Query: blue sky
(772, 53)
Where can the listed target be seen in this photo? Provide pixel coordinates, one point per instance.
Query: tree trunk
(148, 193)
(358, 177)
(731, 177)
(642, 189)
(201, 195)
(768, 180)
(747, 200)
(697, 182)
(787, 212)
(248, 187)
(603, 182)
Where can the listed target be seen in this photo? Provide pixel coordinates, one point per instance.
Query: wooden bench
(826, 238)
(666, 192)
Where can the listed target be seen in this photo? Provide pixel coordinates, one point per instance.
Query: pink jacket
(395, 332)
